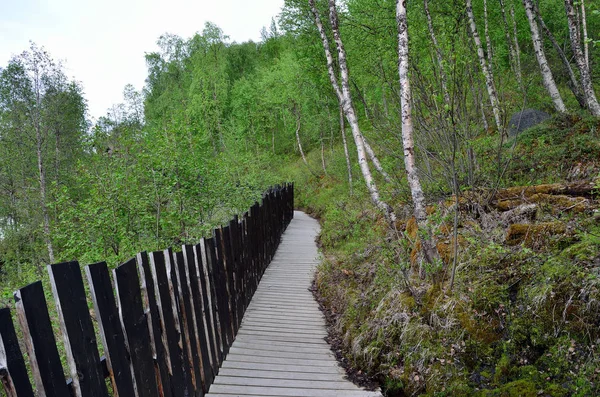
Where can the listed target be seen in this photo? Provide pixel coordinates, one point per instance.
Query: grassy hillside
(522, 319)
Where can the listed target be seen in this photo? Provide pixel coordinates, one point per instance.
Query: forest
(450, 150)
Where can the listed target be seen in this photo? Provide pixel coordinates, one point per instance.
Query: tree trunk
(573, 82)
(298, 137)
(353, 118)
(511, 45)
(43, 193)
(540, 55)
(323, 154)
(348, 164)
(438, 53)
(586, 48)
(375, 161)
(345, 99)
(429, 250)
(488, 42)
(489, 81)
(586, 81)
(517, 47)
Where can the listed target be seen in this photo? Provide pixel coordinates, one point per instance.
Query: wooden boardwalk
(280, 348)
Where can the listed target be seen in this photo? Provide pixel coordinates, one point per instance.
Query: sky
(102, 42)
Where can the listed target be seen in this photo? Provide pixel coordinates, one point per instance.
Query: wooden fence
(170, 326)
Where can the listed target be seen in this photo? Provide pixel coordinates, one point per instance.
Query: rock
(521, 121)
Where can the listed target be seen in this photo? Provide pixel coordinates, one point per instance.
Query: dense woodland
(442, 274)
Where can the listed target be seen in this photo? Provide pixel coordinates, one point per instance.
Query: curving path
(280, 348)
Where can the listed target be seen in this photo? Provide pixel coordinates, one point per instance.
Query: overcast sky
(103, 42)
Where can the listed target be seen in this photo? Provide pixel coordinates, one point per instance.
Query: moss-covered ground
(523, 317)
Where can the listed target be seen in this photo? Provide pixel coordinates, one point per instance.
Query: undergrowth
(522, 320)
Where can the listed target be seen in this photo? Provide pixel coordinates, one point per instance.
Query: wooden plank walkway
(280, 348)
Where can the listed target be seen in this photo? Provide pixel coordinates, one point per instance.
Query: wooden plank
(12, 366)
(77, 329)
(250, 381)
(201, 290)
(189, 328)
(292, 392)
(39, 340)
(169, 324)
(135, 327)
(198, 327)
(221, 285)
(105, 306)
(281, 375)
(153, 320)
(204, 263)
(281, 367)
(229, 268)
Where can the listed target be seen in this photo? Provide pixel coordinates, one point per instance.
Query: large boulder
(521, 121)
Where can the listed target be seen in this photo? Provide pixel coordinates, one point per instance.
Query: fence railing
(166, 323)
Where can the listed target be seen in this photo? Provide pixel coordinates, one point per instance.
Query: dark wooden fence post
(12, 366)
(168, 330)
(41, 347)
(105, 306)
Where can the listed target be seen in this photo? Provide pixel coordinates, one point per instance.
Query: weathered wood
(229, 268)
(178, 311)
(209, 295)
(189, 328)
(199, 328)
(77, 329)
(39, 340)
(153, 319)
(13, 372)
(135, 327)
(199, 286)
(105, 306)
(215, 253)
(169, 324)
(280, 348)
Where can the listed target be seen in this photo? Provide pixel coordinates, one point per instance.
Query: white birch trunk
(540, 55)
(488, 42)
(573, 82)
(345, 99)
(375, 160)
(414, 183)
(489, 81)
(348, 164)
(438, 53)
(298, 137)
(586, 81)
(517, 47)
(586, 48)
(513, 43)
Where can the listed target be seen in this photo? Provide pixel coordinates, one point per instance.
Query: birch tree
(438, 53)
(418, 198)
(345, 100)
(489, 81)
(586, 80)
(540, 55)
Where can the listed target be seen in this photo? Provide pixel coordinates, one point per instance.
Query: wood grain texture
(280, 347)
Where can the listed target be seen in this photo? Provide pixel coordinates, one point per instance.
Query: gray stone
(521, 121)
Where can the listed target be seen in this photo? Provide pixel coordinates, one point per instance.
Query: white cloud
(103, 42)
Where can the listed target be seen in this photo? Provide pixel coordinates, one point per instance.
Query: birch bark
(348, 164)
(489, 81)
(345, 99)
(540, 55)
(438, 53)
(586, 81)
(418, 198)
(573, 82)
